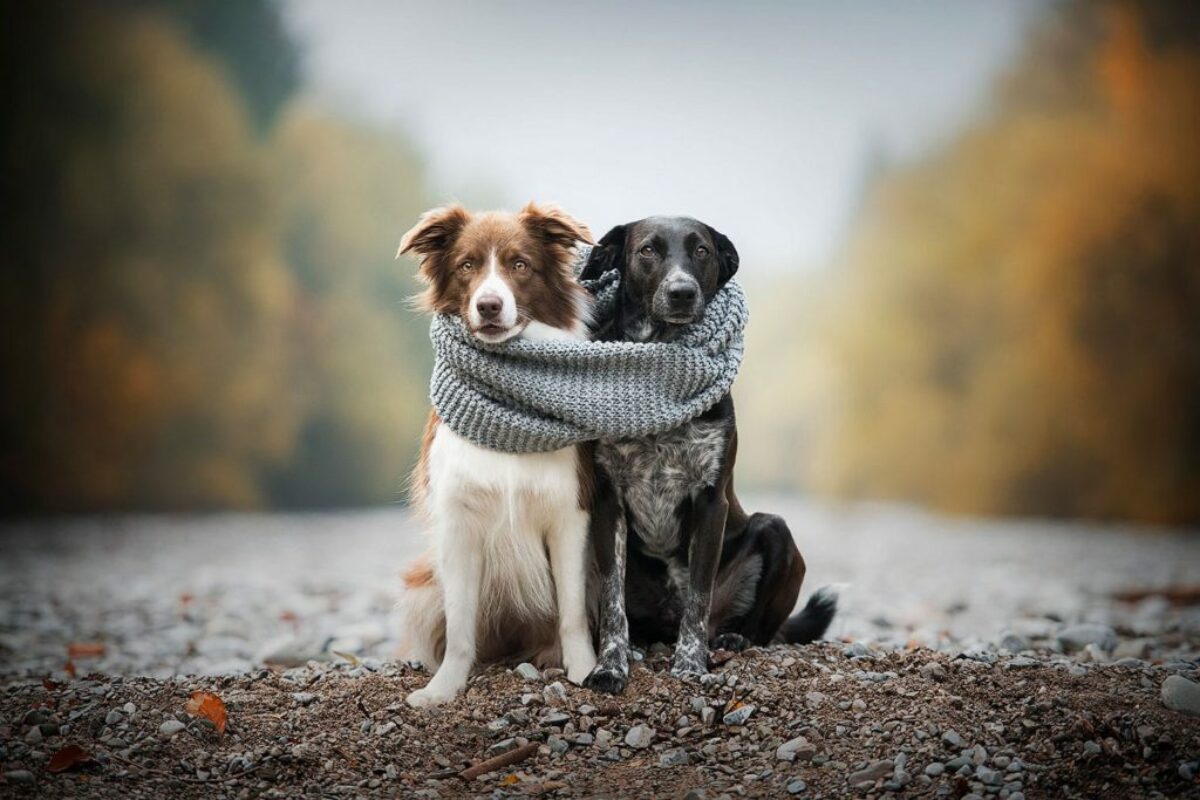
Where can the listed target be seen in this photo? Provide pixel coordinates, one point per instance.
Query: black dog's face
(671, 266)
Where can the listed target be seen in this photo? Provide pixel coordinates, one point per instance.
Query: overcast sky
(756, 117)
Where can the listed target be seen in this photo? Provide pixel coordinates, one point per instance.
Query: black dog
(696, 567)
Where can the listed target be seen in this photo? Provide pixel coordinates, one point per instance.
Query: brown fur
(454, 245)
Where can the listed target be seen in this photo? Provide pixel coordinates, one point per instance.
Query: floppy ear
(727, 255)
(554, 226)
(609, 253)
(435, 231)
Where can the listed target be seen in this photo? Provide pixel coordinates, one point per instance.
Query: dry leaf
(353, 659)
(85, 649)
(68, 757)
(209, 706)
(69, 668)
(509, 780)
(51, 686)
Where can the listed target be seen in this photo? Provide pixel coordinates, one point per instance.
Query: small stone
(527, 671)
(114, 717)
(676, 757)
(739, 715)
(787, 750)
(640, 737)
(558, 745)
(304, 698)
(1091, 748)
(988, 776)
(796, 786)
(815, 699)
(935, 769)
(1078, 637)
(556, 718)
(555, 694)
(951, 739)
(858, 705)
(171, 727)
(130, 709)
(1012, 642)
(34, 736)
(933, 671)
(587, 710)
(1180, 694)
(19, 776)
(503, 746)
(1021, 662)
(875, 772)
(707, 715)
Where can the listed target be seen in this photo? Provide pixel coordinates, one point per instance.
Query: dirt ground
(869, 724)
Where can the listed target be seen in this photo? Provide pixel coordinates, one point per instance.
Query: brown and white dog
(505, 576)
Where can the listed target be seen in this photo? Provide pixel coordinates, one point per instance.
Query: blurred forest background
(201, 310)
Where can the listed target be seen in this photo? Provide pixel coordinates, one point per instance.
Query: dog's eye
(647, 251)
(467, 266)
(701, 251)
(520, 266)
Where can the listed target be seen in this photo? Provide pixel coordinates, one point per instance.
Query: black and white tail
(813, 620)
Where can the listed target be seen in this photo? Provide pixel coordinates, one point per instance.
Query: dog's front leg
(609, 535)
(568, 550)
(709, 512)
(460, 566)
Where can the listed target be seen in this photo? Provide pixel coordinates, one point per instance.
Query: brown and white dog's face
(499, 271)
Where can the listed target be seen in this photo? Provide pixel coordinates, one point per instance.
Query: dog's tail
(813, 620)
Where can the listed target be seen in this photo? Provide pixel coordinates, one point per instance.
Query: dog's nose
(489, 306)
(682, 294)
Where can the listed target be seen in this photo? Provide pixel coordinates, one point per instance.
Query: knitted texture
(535, 396)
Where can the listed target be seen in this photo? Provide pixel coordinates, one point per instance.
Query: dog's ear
(727, 255)
(434, 231)
(609, 253)
(554, 226)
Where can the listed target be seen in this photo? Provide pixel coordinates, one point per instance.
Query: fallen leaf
(288, 616)
(209, 706)
(353, 659)
(85, 649)
(51, 686)
(68, 757)
(509, 780)
(69, 668)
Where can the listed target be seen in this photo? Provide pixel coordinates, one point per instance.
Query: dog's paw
(429, 697)
(606, 680)
(733, 642)
(683, 667)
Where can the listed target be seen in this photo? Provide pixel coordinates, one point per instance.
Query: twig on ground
(499, 762)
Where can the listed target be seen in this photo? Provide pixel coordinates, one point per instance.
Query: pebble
(707, 715)
(1180, 694)
(640, 737)
(739, 715)
(556, 718)
(555, 694)
(1078, 637)
(171, 727)
(114, 717)
(34, 736)
(935, 769)
(19, 776)
(933, 671)
(951, 739)
(303, 698)
(796, 786)
(874, 772)
(791, 750)
(527, 671)
(675, 757)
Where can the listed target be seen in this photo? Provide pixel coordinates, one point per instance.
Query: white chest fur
(512, 502)
(657, 473)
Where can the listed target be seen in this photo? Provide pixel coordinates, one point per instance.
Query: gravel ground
(971, 657)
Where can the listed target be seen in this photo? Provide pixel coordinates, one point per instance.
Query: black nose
(489, 306)
(682, 294)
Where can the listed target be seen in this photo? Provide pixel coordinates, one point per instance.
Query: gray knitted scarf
(534, 396)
